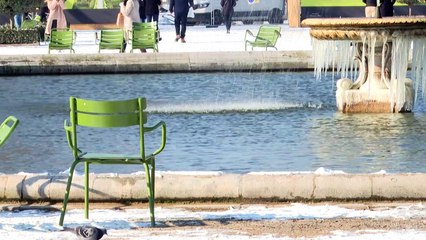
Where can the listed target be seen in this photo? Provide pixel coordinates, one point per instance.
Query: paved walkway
(199, 39)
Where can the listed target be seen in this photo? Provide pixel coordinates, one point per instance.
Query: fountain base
(377, 101)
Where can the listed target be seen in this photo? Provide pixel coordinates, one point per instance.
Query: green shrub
(13, 36)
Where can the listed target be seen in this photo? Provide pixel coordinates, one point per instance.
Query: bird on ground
(90, 232)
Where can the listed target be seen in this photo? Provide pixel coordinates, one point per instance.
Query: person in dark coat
(152, 10)
(386, 8)
(142, 10)
(180, 8)
(228, 12)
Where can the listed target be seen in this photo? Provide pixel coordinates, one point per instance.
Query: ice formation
(348, 59)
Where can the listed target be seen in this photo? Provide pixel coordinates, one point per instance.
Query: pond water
(230, 122)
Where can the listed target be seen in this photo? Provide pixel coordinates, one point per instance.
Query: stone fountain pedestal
(381, 48)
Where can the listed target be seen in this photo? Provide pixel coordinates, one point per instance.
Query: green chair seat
(105, 157)
(266, 37)
(88, 114)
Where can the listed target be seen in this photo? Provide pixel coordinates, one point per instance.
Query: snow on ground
(199, 39)
(129, 223)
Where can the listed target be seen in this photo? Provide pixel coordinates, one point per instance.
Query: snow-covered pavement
(133, 223)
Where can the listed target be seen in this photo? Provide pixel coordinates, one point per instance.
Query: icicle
(385, 49)
(332, 54)
(418, 68)
(400, 54)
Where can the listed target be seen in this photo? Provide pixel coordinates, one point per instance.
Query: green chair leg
(150, 187)
(152, 200)
(67, 194)
(86, 190)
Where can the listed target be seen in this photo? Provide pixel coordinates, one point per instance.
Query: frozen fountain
(373, 56)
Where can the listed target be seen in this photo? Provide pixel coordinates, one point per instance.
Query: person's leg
(155, 19)
(231, 13)
(227, 21)
(148, 18)
(177, 26)
(183, 30)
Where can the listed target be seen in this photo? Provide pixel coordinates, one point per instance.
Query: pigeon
(90, 232)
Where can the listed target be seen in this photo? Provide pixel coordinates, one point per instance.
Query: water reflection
(373, 142)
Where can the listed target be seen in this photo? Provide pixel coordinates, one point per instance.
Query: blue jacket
(180, 6)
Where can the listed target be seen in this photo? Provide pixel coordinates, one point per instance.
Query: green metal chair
(7, 127)
(61, 39)
(110, 114)
(112, 39)
(266, 37)
(144, 36)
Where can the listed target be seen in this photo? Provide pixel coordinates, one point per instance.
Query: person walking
(371, 10)
(152, 10)
(56, 17)
(228, 12)
(180, 9)
(386, 8)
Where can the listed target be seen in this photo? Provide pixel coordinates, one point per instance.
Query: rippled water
(231, 122)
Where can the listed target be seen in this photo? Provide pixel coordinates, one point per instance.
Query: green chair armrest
(248, 32)
(97, 38)
(68, 131)
(163, 135)
(279, 34)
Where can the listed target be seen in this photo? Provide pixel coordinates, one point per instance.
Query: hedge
(13, 36)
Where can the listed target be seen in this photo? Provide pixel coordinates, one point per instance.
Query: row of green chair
(146, 36)
(143, 36)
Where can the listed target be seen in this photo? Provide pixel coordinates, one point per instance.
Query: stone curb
(175, 186)
(155, 62)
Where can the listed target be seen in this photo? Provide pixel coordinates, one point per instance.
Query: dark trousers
(227, 18)
(152, 18)
(180, 20)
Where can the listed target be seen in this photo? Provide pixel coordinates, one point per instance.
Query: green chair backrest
(7, 127)
(270, 33)
(144, 25)
(61, 39)
(144, 36)
(107, 114)
(29, 24)
(112, 39)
